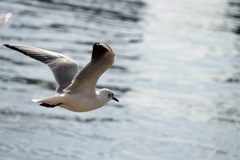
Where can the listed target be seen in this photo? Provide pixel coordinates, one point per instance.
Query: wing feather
(63, 68)
(86, 79)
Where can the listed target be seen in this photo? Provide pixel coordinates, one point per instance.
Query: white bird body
(76, 88)
(76, 102)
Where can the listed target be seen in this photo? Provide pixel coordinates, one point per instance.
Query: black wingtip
(6, 45)
(11, 47)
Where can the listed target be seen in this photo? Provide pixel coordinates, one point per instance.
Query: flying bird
(76, 89)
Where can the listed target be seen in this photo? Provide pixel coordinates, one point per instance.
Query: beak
(115, 99)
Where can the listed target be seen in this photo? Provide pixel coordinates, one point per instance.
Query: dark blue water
(177, 76)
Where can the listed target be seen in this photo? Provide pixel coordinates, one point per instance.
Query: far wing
(64, 68)
(85, 80)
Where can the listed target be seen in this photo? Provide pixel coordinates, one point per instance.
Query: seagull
(76, 89)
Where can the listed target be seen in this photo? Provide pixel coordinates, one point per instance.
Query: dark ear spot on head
(109, 95)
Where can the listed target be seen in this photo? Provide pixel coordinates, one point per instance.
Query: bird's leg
(49, 105)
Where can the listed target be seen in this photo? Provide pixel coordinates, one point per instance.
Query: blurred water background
(177, 76)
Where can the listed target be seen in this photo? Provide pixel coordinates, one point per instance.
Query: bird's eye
(112, 94)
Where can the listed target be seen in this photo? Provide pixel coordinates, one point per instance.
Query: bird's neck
(101, 97)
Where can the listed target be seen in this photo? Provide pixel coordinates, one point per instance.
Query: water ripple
(17, 114)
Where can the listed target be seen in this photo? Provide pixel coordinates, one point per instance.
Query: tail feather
(36, 100)
(53, 100)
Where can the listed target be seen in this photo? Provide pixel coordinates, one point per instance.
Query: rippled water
(177, 75)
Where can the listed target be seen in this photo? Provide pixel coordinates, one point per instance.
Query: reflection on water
(234, 12)
(176, 76)
(4, 18)
(8, 113)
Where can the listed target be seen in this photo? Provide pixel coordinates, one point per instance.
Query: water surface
(176, 75)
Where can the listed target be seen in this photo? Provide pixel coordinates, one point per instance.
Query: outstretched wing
(84, 82)
(63, 68)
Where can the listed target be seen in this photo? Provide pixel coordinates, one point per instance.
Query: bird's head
(107, 94)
